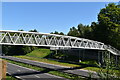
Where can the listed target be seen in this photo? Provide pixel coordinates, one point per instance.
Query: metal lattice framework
(51, 40)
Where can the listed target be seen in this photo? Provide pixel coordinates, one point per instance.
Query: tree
(107, 29)
(73, 32)
(20, 30)
(56, 32)
(84, 31)
(34, 30)
(61, 33)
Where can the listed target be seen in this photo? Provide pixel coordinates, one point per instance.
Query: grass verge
(49, 61)
(117, 72)
(9, 77)
(41, 53)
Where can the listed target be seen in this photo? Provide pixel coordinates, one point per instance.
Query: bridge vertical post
(83, 52)
(116, 60)
(102, 57)
(79, 55)
(56, 51)
(98, 57)
(109, 56)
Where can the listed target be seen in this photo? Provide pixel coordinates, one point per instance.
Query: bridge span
(9, 37)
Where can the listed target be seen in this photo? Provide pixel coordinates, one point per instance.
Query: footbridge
(8, 37)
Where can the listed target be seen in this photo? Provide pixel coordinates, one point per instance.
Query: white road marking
(37, 76)
(15, 76)
(87, 70)
(18, 70)
(18, 77)
(36, 71)
(53, 75)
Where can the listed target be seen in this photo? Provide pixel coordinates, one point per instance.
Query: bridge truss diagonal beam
(8, 37)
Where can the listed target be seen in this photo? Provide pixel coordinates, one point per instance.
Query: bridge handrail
(57, 35)
(109, 47)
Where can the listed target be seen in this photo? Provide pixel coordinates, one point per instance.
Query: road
(76, 71)
(30, 74)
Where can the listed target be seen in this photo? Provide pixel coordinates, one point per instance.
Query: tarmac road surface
(30, 74)
(76, 71)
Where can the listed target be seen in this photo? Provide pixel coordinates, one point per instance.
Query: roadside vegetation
(41, 55)
(9, 77)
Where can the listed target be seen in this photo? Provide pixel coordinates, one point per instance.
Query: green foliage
(60, 55)
(8, 77)
(20, 30)
(84, 31)
(27, 49)
(11, 50)
(89, 62)
(108, 71)
(73, 32)
(59, 33)
(34, 30)
(39, 53)
(17, 50)
(107, 29)
(81, 31)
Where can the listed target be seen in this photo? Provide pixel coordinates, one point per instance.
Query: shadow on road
(30, 73)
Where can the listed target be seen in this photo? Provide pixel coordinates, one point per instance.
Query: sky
(48, 17)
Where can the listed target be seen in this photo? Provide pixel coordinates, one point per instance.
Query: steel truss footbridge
(8, 37)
